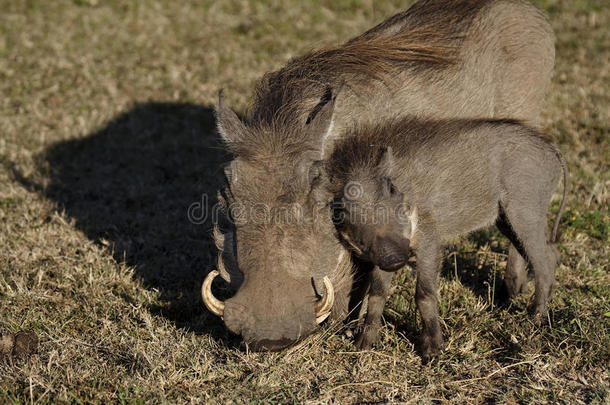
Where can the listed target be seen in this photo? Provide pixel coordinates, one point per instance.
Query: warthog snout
(267, 331)
(281, 319)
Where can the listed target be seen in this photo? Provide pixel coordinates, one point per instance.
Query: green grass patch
(593, 223)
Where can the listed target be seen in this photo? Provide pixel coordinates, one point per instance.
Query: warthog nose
(392, 255)
(270, 345)
(261, 332)
(393, 263)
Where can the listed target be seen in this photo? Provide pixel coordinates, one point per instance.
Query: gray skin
(465, 58)
(414, 184)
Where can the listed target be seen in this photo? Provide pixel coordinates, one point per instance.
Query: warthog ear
(320, 120)
(231, 172)
(230, 127)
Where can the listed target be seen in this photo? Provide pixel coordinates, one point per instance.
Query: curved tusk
(321, 318)
(324, 306)
(222, 270)
(215, 306)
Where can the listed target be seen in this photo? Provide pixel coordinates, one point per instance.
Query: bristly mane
(361, 147)
(426, 36)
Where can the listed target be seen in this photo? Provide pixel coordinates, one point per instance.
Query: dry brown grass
(106, 137)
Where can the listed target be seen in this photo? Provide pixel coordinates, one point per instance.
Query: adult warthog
(441, 59)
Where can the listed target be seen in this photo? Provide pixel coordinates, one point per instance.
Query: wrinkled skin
(285, 239)
(278, 290)
(501, 56)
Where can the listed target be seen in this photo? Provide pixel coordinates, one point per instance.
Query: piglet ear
(230, 127)
(386, 161)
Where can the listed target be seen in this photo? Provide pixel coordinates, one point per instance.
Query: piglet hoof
(430, 349)
(541, 319)
(429, 358)
(367, 339)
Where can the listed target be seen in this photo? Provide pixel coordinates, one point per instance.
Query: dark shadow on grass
(130, 185)
(478, 272)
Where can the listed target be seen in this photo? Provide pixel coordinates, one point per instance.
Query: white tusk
(215, 306)
(222, 270)
(325, 305)
(321, 318)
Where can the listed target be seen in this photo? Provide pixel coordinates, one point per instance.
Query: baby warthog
(417, 184)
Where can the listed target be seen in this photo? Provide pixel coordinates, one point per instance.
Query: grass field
(107, 136)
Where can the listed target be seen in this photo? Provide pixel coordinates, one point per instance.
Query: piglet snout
(391, 255)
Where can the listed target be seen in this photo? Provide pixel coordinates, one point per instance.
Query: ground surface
(107, 137)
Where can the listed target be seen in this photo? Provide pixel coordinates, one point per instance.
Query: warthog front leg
(380, 282)
(429, 261)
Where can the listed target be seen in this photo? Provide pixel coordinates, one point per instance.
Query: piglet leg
(428, 268)
(380, 282)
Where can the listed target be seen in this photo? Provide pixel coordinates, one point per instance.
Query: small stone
(26, 343)
(20, 344)
(6, 344)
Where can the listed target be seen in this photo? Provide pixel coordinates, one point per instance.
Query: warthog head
(283, 243)
(370, 211)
